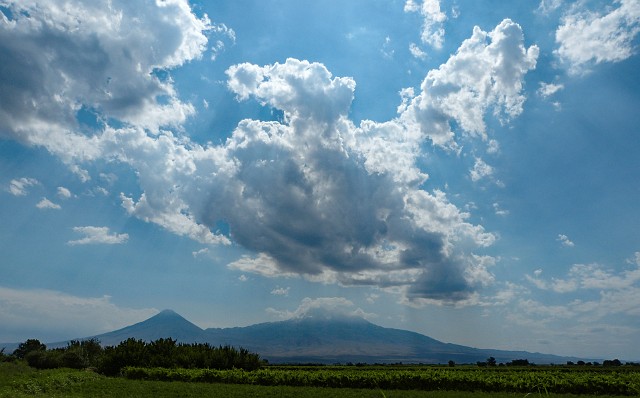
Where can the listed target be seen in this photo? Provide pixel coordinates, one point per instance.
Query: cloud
(201, 252)
(434, 18)
(47, 204)
(591, 277)
(548, 6)
(588, 38)
(486, 73)
(548, 89)
(500, 211)
(281, 291)
(54, 316)
(387, 49)
(480, 170)
(587, 306)
(417, 51)
(110, 59)
(64, 193)
(220, 45)
(565, 241)
(98, 235)
(314, 195)
(318, 201)
(18, 187)
(322, 308)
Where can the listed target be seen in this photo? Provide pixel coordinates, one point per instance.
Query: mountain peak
(168, 312)
(321, 314)
(166, 323)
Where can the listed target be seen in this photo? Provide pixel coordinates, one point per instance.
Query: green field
(18, 380)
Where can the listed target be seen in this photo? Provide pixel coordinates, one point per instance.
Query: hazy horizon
(465, 170)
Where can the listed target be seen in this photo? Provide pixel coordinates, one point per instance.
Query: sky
(464, 169)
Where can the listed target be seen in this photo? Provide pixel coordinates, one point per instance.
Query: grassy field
(18, 380)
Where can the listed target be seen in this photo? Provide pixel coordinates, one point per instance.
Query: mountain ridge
(325, 340)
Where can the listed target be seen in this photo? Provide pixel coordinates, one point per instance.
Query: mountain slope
(326, 339)
(165, 324)
(354, 340)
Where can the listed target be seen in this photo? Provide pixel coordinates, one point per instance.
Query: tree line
(167, 353)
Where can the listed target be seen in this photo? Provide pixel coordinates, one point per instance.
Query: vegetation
(200, 369)
(17, 380)
(561, 380)
(165, 353)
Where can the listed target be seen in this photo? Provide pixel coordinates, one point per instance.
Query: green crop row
(428, 379)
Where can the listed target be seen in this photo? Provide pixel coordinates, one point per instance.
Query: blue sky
(459, 168)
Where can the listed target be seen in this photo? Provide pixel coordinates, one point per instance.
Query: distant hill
(165, 324)
(326, 339)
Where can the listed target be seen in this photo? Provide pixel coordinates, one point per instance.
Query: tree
(452, 363)
(31, 345)
(491, 361)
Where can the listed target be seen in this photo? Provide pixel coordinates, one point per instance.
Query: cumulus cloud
(321, 203)
(98, 235)
(565, 241)
(480, 170)
(64, 193)
(588, 296)
(587, 38)
(548, 89)
(110, 59)
(281, 291)
(548, 6)
(591, 276)
(54, 316)
(416, 51)
(432, 25)
(47, 204)
(313, 195)
(486, 73)
(322, 308)
(20, 186)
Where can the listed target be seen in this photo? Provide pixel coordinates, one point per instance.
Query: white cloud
(261, 265)
(55, 316)
(548, 89)
(109, 57)
(313, 195)
(618, 292)
(64, 193)
(592, 277)
(201, 252)
(47, 204)
(417, 51)
(18, 187)
(434, 18)
(98, 235)
(500, 211)
(281, 291)
(588, 38)
(565, 241)
(480, 170)
(486, 73)
(220, 45)
(548, 6)
(322, 308)
(387, 49)
(493, 147)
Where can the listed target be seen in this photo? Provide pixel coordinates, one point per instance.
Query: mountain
(324, 339)
(315, 339)
(165, 324)
(345, 339)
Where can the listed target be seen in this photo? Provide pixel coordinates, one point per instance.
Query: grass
(18, 380)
